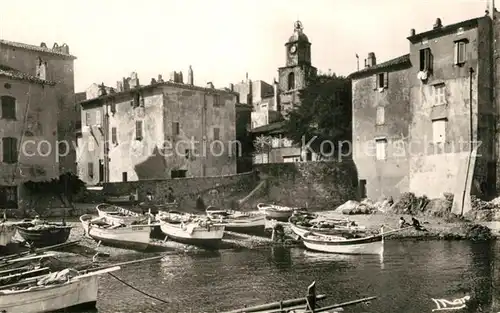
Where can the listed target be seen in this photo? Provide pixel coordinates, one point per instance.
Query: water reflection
(281, 257)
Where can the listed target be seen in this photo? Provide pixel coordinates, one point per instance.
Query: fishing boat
(7, 231)
(42, 233)
(134, 237)
(184, 228)
(239, 222)
(277, 212)
(342, 228)
(373, 244)
(120, 216)
(62, 290)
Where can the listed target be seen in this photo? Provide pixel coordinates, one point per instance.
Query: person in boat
(149, 197)
(415, 223)
(170, 195)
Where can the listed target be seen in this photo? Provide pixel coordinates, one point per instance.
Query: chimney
(153, 81)
(190, 76)
(250, 91)
(173, 76)
(438, 24)
(210, 85)
(102, 90)
(43, 45)
(231, 87)
(160, 78)
(126, 84)
(119, 86)
(180, 78)
(371, 60)
(64, 48)
(246, 77)
(412, 32)
(134, 80)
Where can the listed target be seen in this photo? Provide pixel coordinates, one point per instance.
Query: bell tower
(293, 77)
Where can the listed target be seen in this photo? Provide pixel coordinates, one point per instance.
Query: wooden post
(311, 297)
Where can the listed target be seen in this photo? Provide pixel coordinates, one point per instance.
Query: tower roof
(298, 34)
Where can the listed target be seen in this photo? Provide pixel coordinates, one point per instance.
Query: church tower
(293, 76)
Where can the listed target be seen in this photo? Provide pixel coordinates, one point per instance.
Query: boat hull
(281, 216)
(301, 230)
(124, 216)
(208, 237)
(44, 237)
(82, 292)
(130, 237)
(369, 245)
(245, 224)
(7, 231)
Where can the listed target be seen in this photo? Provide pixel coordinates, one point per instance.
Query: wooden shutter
(461, 52)
(8, 107)
(90, 168)
(376, 82)
(386, 79)
(114, 138)
(138, 130)
(455, 53)
(13, 150)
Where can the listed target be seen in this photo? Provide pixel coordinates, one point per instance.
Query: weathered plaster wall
(90, 147)
(317, 185)
(140, 159)
(61, 70)
(36, 133)
(441, 163)
(186, 190)
(387, 177)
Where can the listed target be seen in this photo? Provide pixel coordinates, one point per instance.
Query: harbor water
(405, 279)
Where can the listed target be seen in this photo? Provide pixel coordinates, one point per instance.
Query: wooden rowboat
(134, 237)
(117, 215)
(326, 227)
(341, 245)
(240, 222)
(42, 235)
(56, 291)
(191, 230)
(277, 212)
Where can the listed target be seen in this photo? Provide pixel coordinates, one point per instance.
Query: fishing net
(58, 277)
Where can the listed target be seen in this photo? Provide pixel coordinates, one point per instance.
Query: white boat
(193, 231)
(77, 291)
(7, 231)
(118, 215)
(277, 212)
(240, 222)
(341, 245)
(326, 227)
(134, 237)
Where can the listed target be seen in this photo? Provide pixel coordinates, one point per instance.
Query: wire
(136, 289)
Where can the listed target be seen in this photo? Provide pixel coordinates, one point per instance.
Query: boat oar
(276, 305)
(43, 269)
(27, 258)
(128, 262)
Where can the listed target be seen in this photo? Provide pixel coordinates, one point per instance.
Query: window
(114, 136)
(137, 100)
(425, 60)
(113, 108)
(439, 95)
(380, 145)
(101, 170)
(8, 107)
(124, 176)
(178, 173)
(87, 118)
(90, 169)
(382, 80)
(291, 81)
(380, 115)
(216, 133)
(439, 131)
(98, 118)
(138, 130)
(91, 146)
(176, 128)
(8, 197)
(9, 146)
(287, 143)
(217, 101)
(460, 51)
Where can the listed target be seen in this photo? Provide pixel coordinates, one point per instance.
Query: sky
(221, 39)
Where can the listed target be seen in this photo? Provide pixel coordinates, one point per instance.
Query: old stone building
(268, 122)
(428, 116)
(166, 129)
(54, 64)
(28, 133)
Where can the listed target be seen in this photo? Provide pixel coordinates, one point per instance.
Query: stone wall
(316, 185)
(229, 189)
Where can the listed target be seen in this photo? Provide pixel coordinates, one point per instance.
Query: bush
(476, 232)
(408, 203)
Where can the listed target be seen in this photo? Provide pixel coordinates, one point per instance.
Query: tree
(64, 187)
(262, 145)
(325, 112)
